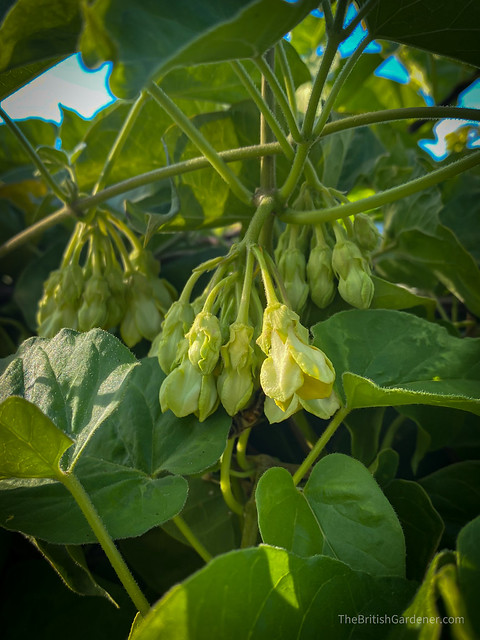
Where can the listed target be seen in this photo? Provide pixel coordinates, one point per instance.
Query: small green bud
(176, 324)
(93, 311)
(186, 390)
(205, 339)
(344, 254)
(71, 285)
(357, 288)
(291, 266)
(147, 316)
(320, 276)
(366, 233)
(128, 328)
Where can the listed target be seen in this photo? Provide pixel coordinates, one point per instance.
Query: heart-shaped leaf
(76, 379)
(341, 513)
(281, 595)
(389, 358)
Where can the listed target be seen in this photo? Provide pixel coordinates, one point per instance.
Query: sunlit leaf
(75, 378)
(389, 358)
(30, 444)
(342, 513)
(282, 595)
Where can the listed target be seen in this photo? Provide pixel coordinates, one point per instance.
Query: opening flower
(295, 374)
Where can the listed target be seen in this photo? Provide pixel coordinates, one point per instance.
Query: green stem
(287, 79)
(392, 429)
(295, 172)
(350, 28)
(127, 232)
(118, 563)
(267, 163)
(318, 85)
(242, 450)
(405, 113)
(384, 197)
(120, 141)
(261, 215)
(264, 109)
(225, 485)
(212, 296)
(191, 131)
(244, 306)
(340, 16)
(280, 97)
(327, 12)
(192, 538)
(338, 84)
(318, 447)
(232, 155)
(37, 161)
(267, 280)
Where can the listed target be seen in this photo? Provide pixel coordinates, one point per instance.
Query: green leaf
(129, 36)
(208, 516)
(461, 213)
(140, 436)
(35, 35)
(424, 606)
(452, 428)
(421, 524)
(444, 258)
(385, 466)
(70, 564)
(364, 427)
(469, 568)
(341, 513)
(388, 295)
(454, 491)
(129, 501)
(439, 28)
(30, 444)
(12, 153)
(355, 517)
(76, 379)
(390, 358)
(274, 594)
(285, 518)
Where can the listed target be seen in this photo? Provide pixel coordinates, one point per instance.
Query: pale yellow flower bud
(235, 382)
(205, 339)
(294, 374)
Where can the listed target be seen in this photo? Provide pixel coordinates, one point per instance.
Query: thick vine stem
(81, 497)
(243, 153)
(318, 447)
(211, 154)
(280, 97)
(37, 161)
(384, 197)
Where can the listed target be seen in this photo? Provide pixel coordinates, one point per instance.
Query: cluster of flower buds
(92, 288)
(321, 259)
(237, 337)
